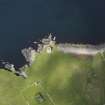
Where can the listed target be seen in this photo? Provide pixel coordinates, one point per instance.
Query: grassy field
(57, 79)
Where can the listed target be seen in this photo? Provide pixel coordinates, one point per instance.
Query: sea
(72, 21)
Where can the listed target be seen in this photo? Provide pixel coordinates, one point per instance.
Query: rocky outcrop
(29, 54)
(21, 73)
(11, 68)
(8, 66)
(44, 44)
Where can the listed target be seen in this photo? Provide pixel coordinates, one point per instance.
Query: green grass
(64, 79)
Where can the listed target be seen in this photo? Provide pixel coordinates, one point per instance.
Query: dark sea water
(75, 21)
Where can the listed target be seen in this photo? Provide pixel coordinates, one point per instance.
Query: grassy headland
(62, 79)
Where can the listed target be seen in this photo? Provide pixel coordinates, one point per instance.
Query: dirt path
(81, 50)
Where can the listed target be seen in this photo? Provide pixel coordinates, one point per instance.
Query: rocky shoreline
(30, 54)
(47, 44)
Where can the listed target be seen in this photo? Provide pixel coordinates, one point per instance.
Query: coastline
(48, 44)
(81, 48)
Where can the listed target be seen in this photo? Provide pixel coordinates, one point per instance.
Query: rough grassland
(62, 79)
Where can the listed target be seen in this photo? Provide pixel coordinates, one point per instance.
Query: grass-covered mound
(56, 79)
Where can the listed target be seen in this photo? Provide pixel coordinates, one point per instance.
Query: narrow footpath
(76, 49)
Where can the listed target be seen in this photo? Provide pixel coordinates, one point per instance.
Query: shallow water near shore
(22, 21)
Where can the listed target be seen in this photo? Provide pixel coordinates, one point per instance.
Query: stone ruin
(46, 43)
